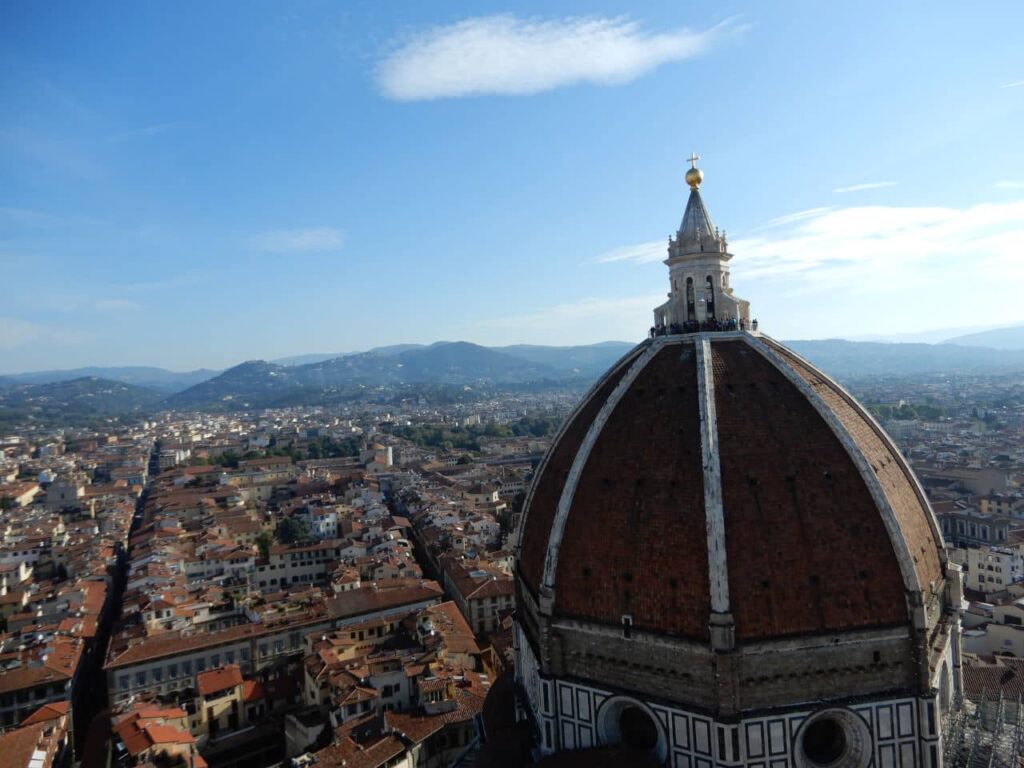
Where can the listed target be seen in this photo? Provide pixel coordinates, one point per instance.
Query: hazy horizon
(941, 336)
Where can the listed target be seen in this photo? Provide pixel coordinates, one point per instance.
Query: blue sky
(197, 184)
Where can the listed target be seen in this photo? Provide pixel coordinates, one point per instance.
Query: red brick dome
(728, 444)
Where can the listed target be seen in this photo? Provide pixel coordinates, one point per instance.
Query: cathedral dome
(720, 474)
(723, 559)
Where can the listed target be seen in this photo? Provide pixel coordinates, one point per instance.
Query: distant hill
(591, 360)
(139, 375)
(397, 349)
(313, 357)
(588, 358)
(67, 402)
(997, 338)
(263, 384)
(260, 384)
(319, 357)
(847, 359)
(255, 381)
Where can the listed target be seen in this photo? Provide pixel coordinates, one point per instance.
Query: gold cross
(693, 158)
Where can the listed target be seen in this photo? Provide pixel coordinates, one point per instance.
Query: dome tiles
(728, 444)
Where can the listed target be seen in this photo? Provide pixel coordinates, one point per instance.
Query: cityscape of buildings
(183, 589)
(161, 604)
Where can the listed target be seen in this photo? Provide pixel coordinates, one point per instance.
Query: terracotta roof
(346, 753)
(18, 745)
(825, 529)
(60, 665)
(46, 713)
(221, 679)
(453, 627)
(547, 485)
(143, 728)
(252, 690)
(371, 598)
(1001, 675)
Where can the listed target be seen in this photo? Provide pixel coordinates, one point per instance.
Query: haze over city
(192, 185)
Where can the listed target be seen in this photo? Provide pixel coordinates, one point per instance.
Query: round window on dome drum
(834, 738)
(637, 729)
(824, 742)
(627, 722)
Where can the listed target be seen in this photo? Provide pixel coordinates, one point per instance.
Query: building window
(638, 729)
(824, 741)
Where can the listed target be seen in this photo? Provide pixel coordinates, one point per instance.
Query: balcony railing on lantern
(694, 326)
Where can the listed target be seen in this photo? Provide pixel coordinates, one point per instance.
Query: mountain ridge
(1009, 339)
(151, 377)
(462, 365)
(87, 397)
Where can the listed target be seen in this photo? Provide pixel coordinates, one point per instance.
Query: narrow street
(90, 705)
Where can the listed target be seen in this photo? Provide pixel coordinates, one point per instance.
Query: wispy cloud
(792, 218)
(117, 305)
(1009, 185)
(16, 333)
(298, 240)
(28, 216)
(862, 187)
(143, 131)
(169, 282)
(1017, 84)
(844, 245)
(641, 253)
(62, 155)
(903, 243)
(507, 55)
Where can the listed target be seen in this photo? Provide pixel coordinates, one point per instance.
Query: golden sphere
(694, 177)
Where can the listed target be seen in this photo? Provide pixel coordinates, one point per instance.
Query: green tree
(292, 530)
(263, 542)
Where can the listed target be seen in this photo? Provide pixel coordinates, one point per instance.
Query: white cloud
(837, 245)
(791, 218)
(847, 271)
(299, 240)
(16, 333)
(862, 187)
(508, 55)
(641, 253)
(906, 244)
(1017, 84)
(1009, 185)
(117, 305)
